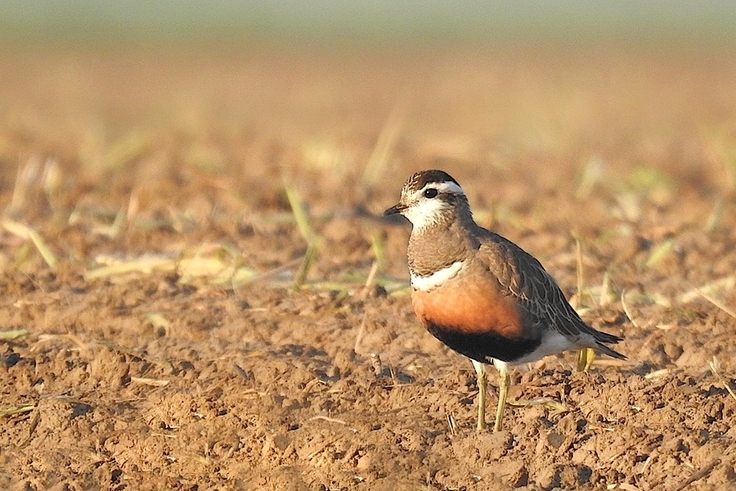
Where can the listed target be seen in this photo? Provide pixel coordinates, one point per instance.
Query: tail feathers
(602, 338)
(608, 351)
(593, 338)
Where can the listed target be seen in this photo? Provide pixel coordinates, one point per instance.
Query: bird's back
(538, 297)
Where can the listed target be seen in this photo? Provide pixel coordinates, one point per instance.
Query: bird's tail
(603, 338)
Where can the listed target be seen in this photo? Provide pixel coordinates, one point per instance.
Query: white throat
(426, 283)
(425, 213)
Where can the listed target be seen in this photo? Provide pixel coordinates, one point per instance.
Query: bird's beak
(397, 208)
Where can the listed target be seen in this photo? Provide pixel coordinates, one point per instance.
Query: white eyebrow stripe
(447, 187)
(426, 283)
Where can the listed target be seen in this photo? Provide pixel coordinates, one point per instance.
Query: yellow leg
(504, 382)
(480, 370)
(586, 356)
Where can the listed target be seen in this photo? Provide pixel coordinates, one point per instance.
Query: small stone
(364, 463)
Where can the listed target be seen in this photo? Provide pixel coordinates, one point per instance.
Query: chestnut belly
(470, 315)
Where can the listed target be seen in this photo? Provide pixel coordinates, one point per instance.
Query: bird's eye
(430, 193)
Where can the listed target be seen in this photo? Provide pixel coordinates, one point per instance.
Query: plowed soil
(154, 336)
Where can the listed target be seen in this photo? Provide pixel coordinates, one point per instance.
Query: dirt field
(157, 334)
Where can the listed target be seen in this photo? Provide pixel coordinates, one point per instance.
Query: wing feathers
(523, 276)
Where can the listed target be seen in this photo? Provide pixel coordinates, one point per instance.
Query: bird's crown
(429, 197)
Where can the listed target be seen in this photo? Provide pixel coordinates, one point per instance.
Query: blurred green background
(567, 21)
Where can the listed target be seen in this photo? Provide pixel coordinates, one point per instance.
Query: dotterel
(481, 294)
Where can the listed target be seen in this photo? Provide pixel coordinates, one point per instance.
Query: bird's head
(430, 198)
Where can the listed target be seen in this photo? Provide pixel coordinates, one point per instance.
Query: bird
(481, 294)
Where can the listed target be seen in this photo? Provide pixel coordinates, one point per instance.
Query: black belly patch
(481, 346)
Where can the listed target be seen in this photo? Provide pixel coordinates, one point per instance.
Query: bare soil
(201, 366)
